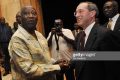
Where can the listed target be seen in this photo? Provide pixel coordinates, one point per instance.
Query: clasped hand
(63, 63)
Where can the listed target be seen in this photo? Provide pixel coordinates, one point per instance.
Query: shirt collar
(115, 17)
(25, 33)
(88, 29)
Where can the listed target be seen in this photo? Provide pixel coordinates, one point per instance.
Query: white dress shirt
(65, 48)
(114, 19)
(87, 31)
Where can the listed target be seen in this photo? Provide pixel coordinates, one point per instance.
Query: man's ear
(93, 13)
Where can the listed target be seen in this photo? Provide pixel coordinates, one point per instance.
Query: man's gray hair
(92, 6)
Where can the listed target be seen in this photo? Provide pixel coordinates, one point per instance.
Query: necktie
(82, 40)
(109, 24)
(57, 44)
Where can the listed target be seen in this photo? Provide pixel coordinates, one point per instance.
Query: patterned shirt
(30, 57)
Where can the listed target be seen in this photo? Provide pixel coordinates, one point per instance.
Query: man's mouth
(31, 21)
(108, 12)
(78, 19)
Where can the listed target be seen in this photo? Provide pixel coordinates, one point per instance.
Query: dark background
(64, 9)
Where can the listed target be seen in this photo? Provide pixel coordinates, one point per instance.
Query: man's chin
(108, 15)
(79, 24)
(32, 27)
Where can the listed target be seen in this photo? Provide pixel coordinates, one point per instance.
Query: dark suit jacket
(117, 25)
(91, 70)
(111, 42)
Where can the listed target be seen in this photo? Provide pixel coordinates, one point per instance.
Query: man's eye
(34, 13)
(25, 13)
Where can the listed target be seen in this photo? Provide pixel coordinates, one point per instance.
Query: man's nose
(77, 15)
(30, 15)
(106, 9)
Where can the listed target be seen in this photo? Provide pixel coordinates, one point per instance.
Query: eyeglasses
(79, 11)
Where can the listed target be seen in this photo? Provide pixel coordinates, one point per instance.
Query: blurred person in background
(5, 36)
(18, 22)
(60, 48)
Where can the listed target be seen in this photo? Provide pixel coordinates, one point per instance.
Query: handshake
(64, 64)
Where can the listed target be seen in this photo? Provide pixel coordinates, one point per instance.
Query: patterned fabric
(30, 58)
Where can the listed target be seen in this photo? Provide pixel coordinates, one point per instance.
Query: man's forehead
(27, 8)
(108, 3)
(82, 6)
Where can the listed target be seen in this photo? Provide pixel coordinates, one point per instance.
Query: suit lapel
(117, 25)
(91, 38)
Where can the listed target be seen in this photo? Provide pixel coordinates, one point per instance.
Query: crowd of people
(28, 55)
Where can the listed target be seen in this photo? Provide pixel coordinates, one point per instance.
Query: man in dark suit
(86, 13)
(111, 41)
(110, 10)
